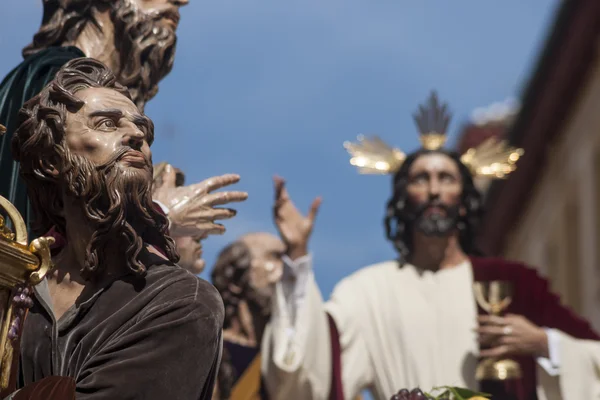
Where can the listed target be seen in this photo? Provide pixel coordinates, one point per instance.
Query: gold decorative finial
(432, 120)
(493, 158)
(20, 265)
(373, 156)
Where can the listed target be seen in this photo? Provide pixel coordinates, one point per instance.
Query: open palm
(192, 208)
(294, 228)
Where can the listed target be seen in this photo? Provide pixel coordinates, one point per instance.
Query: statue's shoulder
(174, 283)
(364, 277)
(29, 77)
(44, 61)
(55, 55)
(492, 268)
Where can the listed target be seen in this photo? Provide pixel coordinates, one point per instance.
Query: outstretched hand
(192, 209)
(294, 228)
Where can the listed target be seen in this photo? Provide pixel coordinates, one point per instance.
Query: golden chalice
(494, 297)
(21, 265)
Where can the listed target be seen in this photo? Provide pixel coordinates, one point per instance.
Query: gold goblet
(494, 297)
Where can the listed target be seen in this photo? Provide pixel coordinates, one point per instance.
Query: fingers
(488, 340)
(278, 183)
(314, 209)
(281, 197)
(210, 228)
(198, 230)
(492, 320)
(215, 229)
(212, 184)
(281, 194)
(208, 215)
(217, 182)
(220, 198)
(223, 213)
(492, 340)
(169, 177)
(491, 330)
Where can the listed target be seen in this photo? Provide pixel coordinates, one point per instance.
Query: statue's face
(190, 253)
(109, 123)
(165, 11)
(266, 265)
(434, 192)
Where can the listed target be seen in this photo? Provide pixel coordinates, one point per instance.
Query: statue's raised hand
(192, 209)
(294, 228)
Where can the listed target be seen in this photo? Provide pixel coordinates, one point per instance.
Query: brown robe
(157, 337)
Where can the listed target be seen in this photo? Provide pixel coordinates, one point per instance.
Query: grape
(405, 394)
(417, 394)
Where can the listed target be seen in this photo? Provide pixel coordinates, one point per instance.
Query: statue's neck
(97, 40)
(435, 253)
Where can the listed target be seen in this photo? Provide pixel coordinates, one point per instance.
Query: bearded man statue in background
(116, 314)
(246, 274)
(415, 321)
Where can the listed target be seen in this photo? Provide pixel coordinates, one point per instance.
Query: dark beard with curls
(117, 201)
(147, 50)
(434, 224)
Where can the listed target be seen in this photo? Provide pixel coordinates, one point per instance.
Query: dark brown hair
(146, 49)
(398, 222)
(123, 216)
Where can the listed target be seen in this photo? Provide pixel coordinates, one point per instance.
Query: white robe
(579, 371)
(398, 327)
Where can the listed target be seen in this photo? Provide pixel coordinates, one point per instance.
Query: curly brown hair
(117, 218)
(146, 49)
(399, 219)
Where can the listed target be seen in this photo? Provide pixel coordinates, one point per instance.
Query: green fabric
(20, 85)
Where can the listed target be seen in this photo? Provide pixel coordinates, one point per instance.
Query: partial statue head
(188, 247)
(144, 36)
(82, 142)
(246, 270)
(244, 275)
(433, 192)
(433, 189)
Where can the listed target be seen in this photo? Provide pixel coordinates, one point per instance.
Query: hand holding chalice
(494, 297)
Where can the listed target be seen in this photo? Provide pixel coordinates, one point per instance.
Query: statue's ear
(49, 168)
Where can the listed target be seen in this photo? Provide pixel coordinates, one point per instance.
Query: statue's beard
(117, 202)
(147, 51)
(436, 224)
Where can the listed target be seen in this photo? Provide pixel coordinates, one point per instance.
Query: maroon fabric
(534, 300)
(60, 241)
(50, 388)
(337, 391)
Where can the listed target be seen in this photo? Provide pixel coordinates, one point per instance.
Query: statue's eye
(419, 179)
(107, 123)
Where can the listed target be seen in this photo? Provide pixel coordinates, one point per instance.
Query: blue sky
(275, 87)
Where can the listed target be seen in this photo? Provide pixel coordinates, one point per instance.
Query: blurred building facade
(547, 213)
